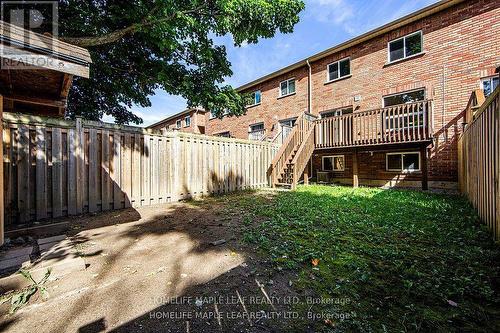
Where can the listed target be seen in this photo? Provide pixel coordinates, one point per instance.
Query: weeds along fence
(479, 162)
(55, 167)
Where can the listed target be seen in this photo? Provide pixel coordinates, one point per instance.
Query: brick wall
(270, 110)
(371, 168)
(197, 123)
(461, 44)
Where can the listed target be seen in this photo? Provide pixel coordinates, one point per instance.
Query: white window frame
(404, 47)
(404, 92)
(186, 121)
(402, 170)
(287, 87)
(489, 78)
(328, 80)
(256, 124)
(333, 164)
(254, 98)
(178, 124)
(338, 112)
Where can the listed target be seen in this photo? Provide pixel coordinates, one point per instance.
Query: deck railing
(282, 135)
(410, 122)
(302, 157)
(291, 145)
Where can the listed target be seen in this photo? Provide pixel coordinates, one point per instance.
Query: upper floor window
(406, 46)
(404, 97)
(339, 69)
(256, 98)
(489, 84)
(287, 87)
(213, 114)
(336, 112)
(187, 121)
(178, 123)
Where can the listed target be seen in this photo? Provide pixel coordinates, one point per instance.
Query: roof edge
(407, 19)
(178, 114)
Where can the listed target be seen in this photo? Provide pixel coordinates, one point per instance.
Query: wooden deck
(404, 123)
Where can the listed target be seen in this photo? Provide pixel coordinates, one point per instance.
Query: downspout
(309, 88)
(309, 108)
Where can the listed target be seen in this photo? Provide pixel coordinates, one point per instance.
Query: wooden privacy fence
(59, 167)
(479, 162)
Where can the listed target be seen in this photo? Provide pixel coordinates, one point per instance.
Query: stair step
(283, 184)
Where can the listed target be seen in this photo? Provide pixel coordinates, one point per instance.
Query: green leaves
(21, 298)
(138, 47)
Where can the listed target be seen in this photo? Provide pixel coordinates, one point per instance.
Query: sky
(323, 24)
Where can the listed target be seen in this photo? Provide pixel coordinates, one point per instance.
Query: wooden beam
(355, 179)
(66, 83)
(13, 56)
(36, 100)
(423, 156)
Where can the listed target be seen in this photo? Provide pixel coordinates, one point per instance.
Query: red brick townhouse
(190, 121)
(388, 104)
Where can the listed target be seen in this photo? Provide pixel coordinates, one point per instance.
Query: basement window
(339, 69)
(287, 87)
(489, 84)
(405, 47)
(333, 163)
(403, 162)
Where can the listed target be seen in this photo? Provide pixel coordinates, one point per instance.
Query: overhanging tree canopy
(142, 45)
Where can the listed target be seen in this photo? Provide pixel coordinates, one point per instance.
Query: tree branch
(116, 35)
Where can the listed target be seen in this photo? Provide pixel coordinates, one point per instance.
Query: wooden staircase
(292, 158)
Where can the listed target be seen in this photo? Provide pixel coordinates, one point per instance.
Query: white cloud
(330, 11)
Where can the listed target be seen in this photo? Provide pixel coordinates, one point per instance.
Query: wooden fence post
(423, 153)
(79, 149)
(176, 149)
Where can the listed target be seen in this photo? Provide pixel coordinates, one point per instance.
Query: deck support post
(306, 173)
(355, 179)
(423, 155)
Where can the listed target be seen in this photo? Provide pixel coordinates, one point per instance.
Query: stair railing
(303, 155)
(302, 125)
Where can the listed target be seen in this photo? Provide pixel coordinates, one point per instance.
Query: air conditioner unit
(323, 177)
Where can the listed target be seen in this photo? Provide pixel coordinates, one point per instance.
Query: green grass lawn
(389, 260)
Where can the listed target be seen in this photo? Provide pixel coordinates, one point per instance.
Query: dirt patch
(156, 268)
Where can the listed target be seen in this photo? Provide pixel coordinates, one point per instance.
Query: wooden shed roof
(37, 70)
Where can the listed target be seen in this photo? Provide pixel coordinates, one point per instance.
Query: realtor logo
(21, 18)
